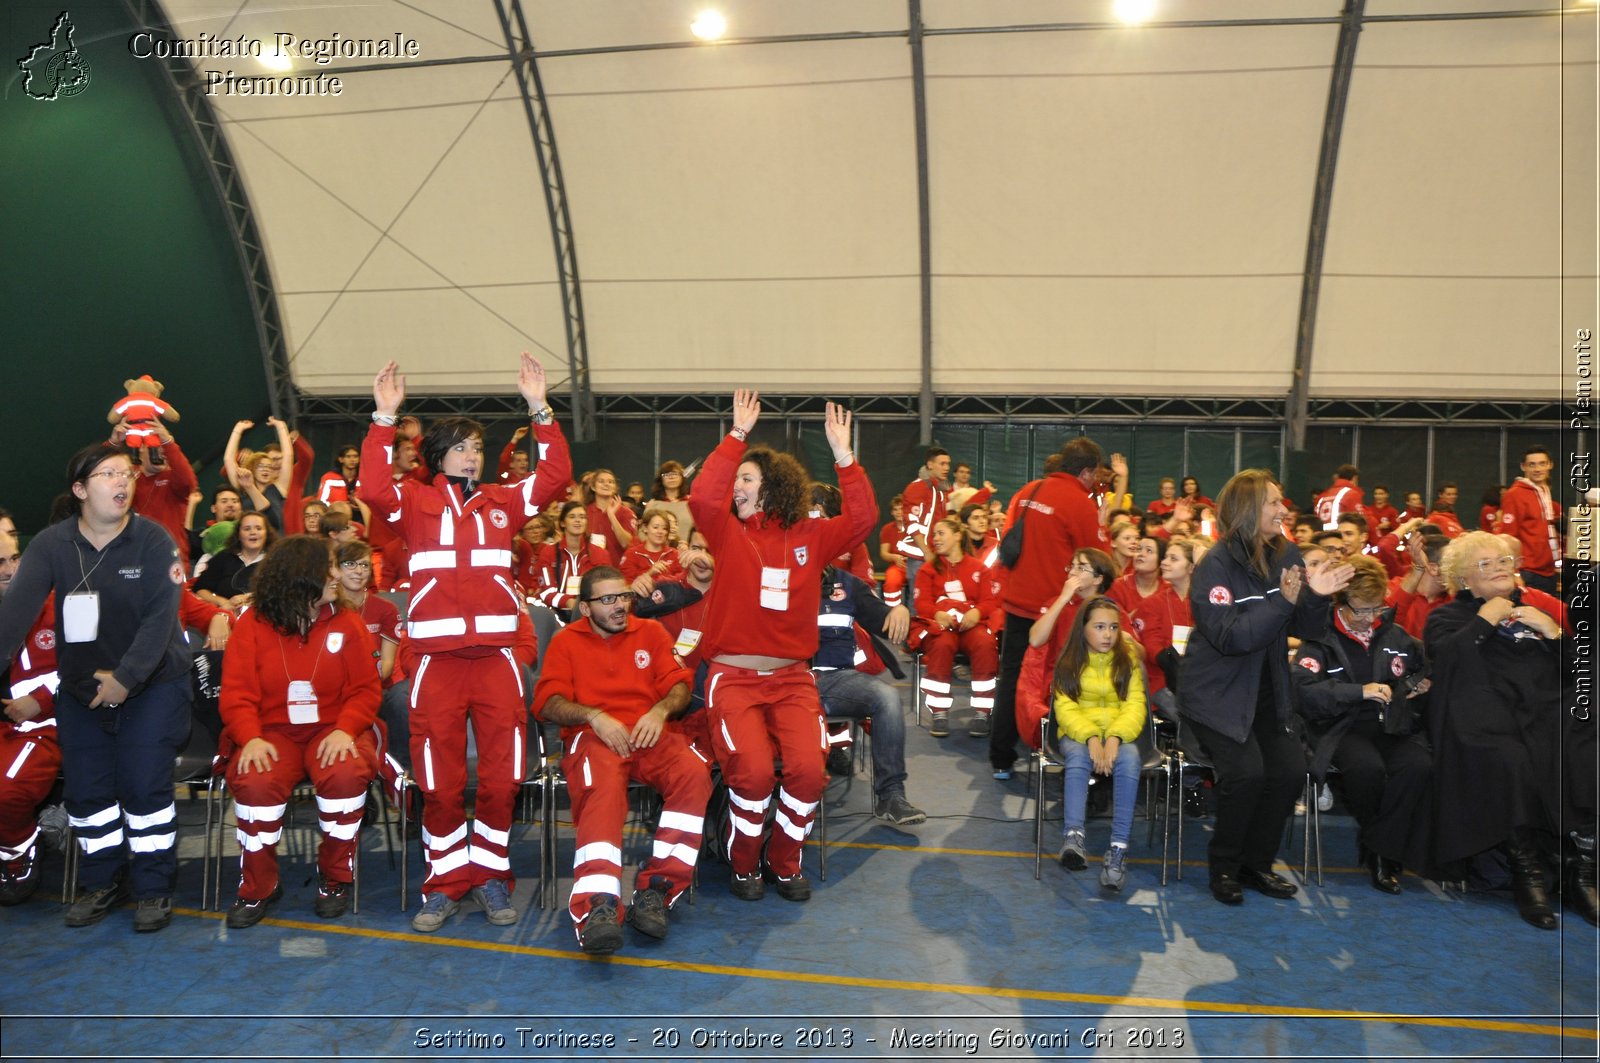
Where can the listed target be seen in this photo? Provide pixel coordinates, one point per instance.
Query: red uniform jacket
(1446, 522)
(33, 673)
(273, 680)
(623, 675)
(924, 507)
(164, 497)
(946, 588)
(1526, 513)
(601, 533)
(1125, 592)
(1153, 621)
(560, 569)
(1342, 497)
(639, 559)
(1381, 520)
(743, 617)
(1059, 519)
(462, 597)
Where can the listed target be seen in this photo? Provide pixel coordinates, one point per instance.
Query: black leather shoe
(1528, 887)
(1271, 883)
(1226, 889)
(1385, 874)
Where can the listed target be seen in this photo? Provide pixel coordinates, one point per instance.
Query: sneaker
(436, 908)
(1324, 798)
(1002, 774)
(979, 727)
(839, 765)
(152, 914)
(90, 908)
(961, 672)
(1299, 808)
(648, 912)
(1073, 856)
(897, 810)
(332, 898)
(940, 727)
(246, 914)
(495, 900)
(1194, 802)
(794, 888)
(751, 887)
(600, 932)
(18, 885)
(1112, 872)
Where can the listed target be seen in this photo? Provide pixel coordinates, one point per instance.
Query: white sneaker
(1324, 798)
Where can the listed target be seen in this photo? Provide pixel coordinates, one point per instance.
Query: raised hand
(530, 381)
(1327, 580)
(746, 409)
(388, 390)
(1119, 465)
(837, 423)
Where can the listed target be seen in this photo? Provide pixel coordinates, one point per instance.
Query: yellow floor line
(1150, 1003)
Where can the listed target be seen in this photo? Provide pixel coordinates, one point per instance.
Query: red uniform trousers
(753, 713)
(938, 662)
(30, 762)
(261, 797)
(446, 690)
(597, 783)
(894, 585)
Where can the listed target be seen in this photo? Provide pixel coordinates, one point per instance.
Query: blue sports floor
(933, 942)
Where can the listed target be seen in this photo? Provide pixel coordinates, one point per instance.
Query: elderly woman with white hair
(1500, 731)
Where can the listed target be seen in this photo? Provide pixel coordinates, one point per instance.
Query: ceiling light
(1134, 12)
(273, 59)
(708, 25)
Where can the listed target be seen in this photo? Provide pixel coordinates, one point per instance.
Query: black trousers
(1003, 722)
(1386, 785)
(1258, 781)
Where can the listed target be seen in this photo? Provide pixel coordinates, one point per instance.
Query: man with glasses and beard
(610, 680)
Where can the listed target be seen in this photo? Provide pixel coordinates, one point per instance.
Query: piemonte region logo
(55, 68)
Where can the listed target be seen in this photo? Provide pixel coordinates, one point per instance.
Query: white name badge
(597, 540)
(80, 616)
(1180, 638)
(302, 702)
(774, 588)
(570, 587)
(688, 639)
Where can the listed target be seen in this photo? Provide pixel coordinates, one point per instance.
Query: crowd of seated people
(1410, 666)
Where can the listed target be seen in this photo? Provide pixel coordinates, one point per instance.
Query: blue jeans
(1124, 787)
(851, 695)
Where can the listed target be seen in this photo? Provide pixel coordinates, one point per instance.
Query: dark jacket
(1329, 698)
(1242, 623)
(138, 578)
(1497, 727)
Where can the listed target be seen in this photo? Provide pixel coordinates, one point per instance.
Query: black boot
(1528, 886)
(1385, 873)
(1580, 891)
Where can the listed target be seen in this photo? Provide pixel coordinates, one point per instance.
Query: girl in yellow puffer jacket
(1100, 710)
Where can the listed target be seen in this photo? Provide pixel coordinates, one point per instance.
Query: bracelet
(738, 433)
(541, 414)
(384, 420)
(848, 459)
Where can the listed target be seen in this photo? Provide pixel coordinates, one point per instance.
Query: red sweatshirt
(33, 672)
(164, 497)
(743, 617)
(1059, 520)
(624, 674)
(329, 672)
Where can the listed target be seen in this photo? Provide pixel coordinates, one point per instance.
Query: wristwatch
(543, 415)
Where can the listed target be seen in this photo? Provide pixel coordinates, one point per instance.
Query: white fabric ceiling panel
(1090, 185)
(1444, 260)
(825, 336)
(713, 189)
(1149, 336)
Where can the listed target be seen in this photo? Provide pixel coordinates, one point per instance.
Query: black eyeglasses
(613, 599)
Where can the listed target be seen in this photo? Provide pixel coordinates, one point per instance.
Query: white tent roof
(1112, 210)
